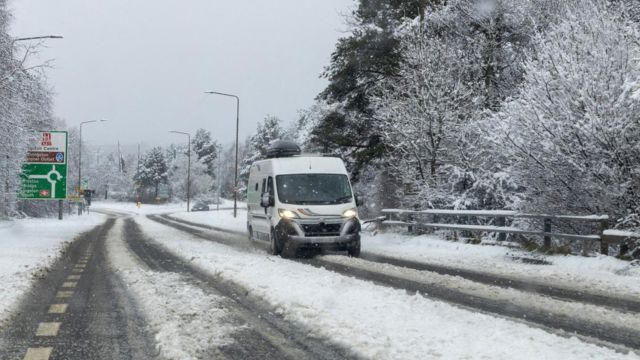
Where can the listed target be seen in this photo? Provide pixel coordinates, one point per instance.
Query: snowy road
(150, 286)
(595, 317)
(79, 311)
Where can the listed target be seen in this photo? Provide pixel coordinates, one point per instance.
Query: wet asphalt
(78, 310)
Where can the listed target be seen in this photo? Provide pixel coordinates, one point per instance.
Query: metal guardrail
(411, 219)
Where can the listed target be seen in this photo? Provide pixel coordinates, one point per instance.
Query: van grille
(321, 229)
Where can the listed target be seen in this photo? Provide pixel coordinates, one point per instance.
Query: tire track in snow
(564, 324)
(265, 335)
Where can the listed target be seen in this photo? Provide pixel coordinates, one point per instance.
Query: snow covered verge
(604, 274)
(185, 320)
(374, 321)
(144, 209)
(147, 209)
(31, 245)
(599, 273)
(221, 219)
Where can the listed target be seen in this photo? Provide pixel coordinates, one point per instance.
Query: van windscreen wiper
(342, 199)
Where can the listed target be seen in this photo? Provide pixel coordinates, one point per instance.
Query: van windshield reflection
(313, 189)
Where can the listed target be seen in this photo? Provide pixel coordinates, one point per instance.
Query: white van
(302, 201)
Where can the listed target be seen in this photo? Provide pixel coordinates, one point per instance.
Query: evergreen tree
(267, 131)
(206, 151)
(370, 54)
(153, 170)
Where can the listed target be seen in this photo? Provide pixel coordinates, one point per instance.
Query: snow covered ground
(178, 208)
(604, 274)
(221, 219)
(375, 321)
(144, 209)
(185, 320)
(29, 246)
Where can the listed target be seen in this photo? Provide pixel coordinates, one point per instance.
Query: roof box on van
(283, 148)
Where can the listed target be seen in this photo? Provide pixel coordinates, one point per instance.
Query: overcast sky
(144, 65)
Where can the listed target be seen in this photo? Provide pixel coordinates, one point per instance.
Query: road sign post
(44, 173)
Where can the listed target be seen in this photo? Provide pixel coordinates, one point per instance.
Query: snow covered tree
(369, 54)
(422, 111)
(25, 109)
(572, 132)
(267, 131)
(206, 151)
(153, 170)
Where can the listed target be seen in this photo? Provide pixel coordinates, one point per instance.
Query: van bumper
(293, 233)
(324, 240)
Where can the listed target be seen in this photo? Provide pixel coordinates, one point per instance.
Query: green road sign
(44, 174)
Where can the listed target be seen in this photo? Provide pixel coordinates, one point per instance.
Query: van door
(259, 214)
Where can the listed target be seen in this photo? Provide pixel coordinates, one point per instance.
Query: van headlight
(287, 214)
(350, 213)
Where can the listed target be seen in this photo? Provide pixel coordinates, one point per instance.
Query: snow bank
(221, 219)
(375, 321)
(145, 209)
(600, 273)
(186, 321)
(31, 245)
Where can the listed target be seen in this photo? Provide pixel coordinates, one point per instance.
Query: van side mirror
(266, 200)
(359, 201)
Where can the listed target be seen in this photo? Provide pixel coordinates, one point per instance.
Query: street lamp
(37, 38)
(80, 158)
(188, 165)
(235, 189)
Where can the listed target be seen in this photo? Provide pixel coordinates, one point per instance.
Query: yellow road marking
(77, 270)
(58, 308)
(48, 329)
(64, 294)
(69, 284)
(80, 265)
(73, 277)
(41, 353)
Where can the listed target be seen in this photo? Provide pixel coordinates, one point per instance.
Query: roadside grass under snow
(375, 321)
(598, 273)
(144, 209)
(29, 246)
(186, 321)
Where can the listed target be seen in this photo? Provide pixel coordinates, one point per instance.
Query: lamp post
(188, 165)
(219, 179)
(80, 159)
(37, 38)
(235, 181)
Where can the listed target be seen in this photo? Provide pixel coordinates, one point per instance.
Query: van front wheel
(275, 247)
(354, 249)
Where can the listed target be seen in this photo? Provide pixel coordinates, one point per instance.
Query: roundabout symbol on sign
(52, 177)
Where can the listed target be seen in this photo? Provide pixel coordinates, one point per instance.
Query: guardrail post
(380, 222)
(604, 246)
(586, 247)
(501, 221)
(547, 229)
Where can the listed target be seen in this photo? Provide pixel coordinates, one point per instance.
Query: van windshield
(309, 189)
